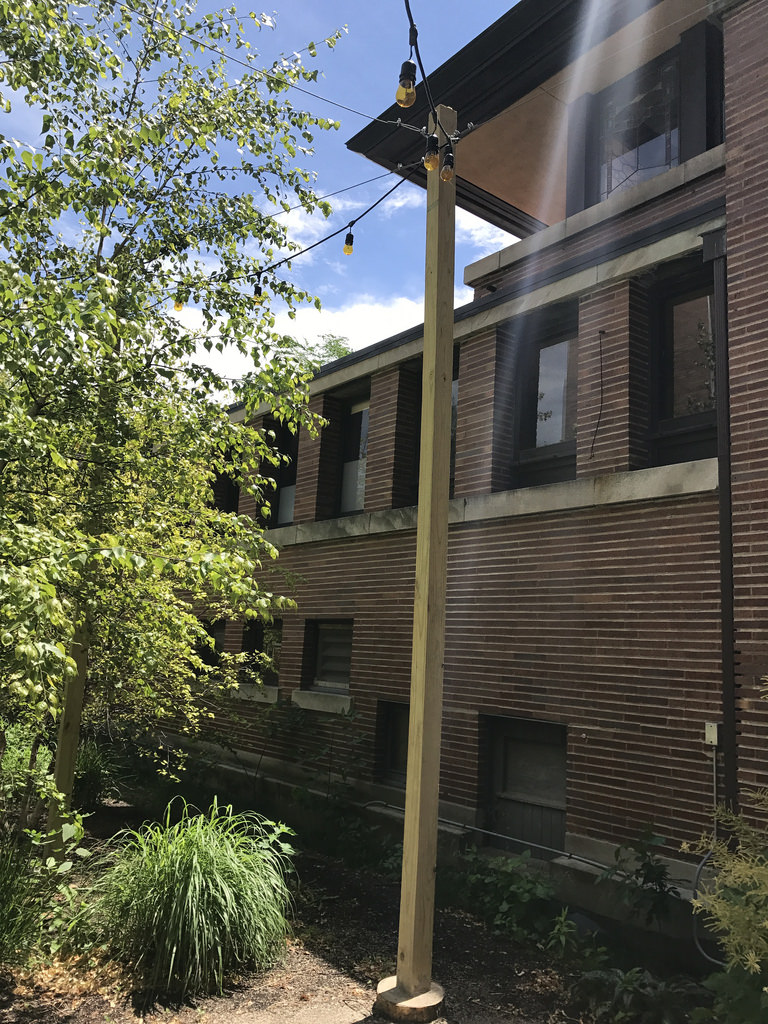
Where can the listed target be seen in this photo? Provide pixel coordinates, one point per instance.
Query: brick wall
(612, 380)
(393, 439)
(484, 432)
(604, 620)
(746, 110)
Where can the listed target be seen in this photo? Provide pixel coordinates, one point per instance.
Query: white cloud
(363, 322)
(483, 237)
(404, 199)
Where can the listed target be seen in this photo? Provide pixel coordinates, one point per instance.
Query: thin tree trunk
(69, 731)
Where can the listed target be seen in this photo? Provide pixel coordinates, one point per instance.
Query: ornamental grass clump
(185, 905)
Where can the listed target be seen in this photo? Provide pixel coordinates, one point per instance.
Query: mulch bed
(344, 942)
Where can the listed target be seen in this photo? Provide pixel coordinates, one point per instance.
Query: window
(685, 369)
(392, 734)
(526, 784)
(354, 457)
(226, 493)
(639, 126)
(217, 631)
(263, 640)
(284, 497)
(655, 118)
(327, 655)
(546, 446)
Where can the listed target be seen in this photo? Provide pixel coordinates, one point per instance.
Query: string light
(432, 156)
(446, 171)
(349, 243)
(406, 90)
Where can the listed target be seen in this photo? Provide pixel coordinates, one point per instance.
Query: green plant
(636, 996)
(23, 888)
(648, 887)
(24, 781)
(183, 905)
(507, 892)
(739, 998)
(735, 900)
(97, 770)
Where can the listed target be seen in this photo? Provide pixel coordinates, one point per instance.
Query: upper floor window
(639, 126)
(684, 366)
(283, 499)
(661, 115)
(546, 433)
(354, 457)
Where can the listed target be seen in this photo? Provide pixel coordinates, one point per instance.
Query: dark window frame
(316, 638)
(392, 728)
(692, 436)
(256, 641)
(622, 91)
(355, 427)
(285, 473)
(700, 102)
(545, 814)
(549, 463)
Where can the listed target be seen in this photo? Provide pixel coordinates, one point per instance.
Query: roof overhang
(514, 82)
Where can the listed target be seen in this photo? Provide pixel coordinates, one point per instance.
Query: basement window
(327, 658)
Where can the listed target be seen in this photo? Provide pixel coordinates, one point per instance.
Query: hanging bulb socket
(406, 90)
(432, 156)
(349, 243)
(258, 293)
(446, 171)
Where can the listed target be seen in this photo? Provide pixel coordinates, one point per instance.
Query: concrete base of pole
(394, 1003)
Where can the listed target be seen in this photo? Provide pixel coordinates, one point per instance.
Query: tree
(147, 190)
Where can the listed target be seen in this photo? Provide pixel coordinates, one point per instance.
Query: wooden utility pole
(411, 994)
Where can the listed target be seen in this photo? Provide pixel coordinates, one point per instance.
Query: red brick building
(608, 543)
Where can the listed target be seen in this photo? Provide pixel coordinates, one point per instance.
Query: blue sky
(378, 291)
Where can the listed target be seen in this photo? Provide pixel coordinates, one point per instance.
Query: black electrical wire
(259, 72)
(414, 43)
(338, 192)
(348, 226)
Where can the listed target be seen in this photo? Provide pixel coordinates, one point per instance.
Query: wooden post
(414, 988)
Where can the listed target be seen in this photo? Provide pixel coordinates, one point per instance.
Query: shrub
(647, 886)
(183, 905)
(25, 785)
(739, 998)
(614, 996)
(22, 891)
(736, 899)
(507, 892)
(97, 770)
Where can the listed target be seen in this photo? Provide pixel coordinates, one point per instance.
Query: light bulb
(446, 171)
(258, 295)
(349, 242)
(432, 156)
(406, 90)
(178, 305)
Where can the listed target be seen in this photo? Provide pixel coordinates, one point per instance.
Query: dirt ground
(344, 942)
